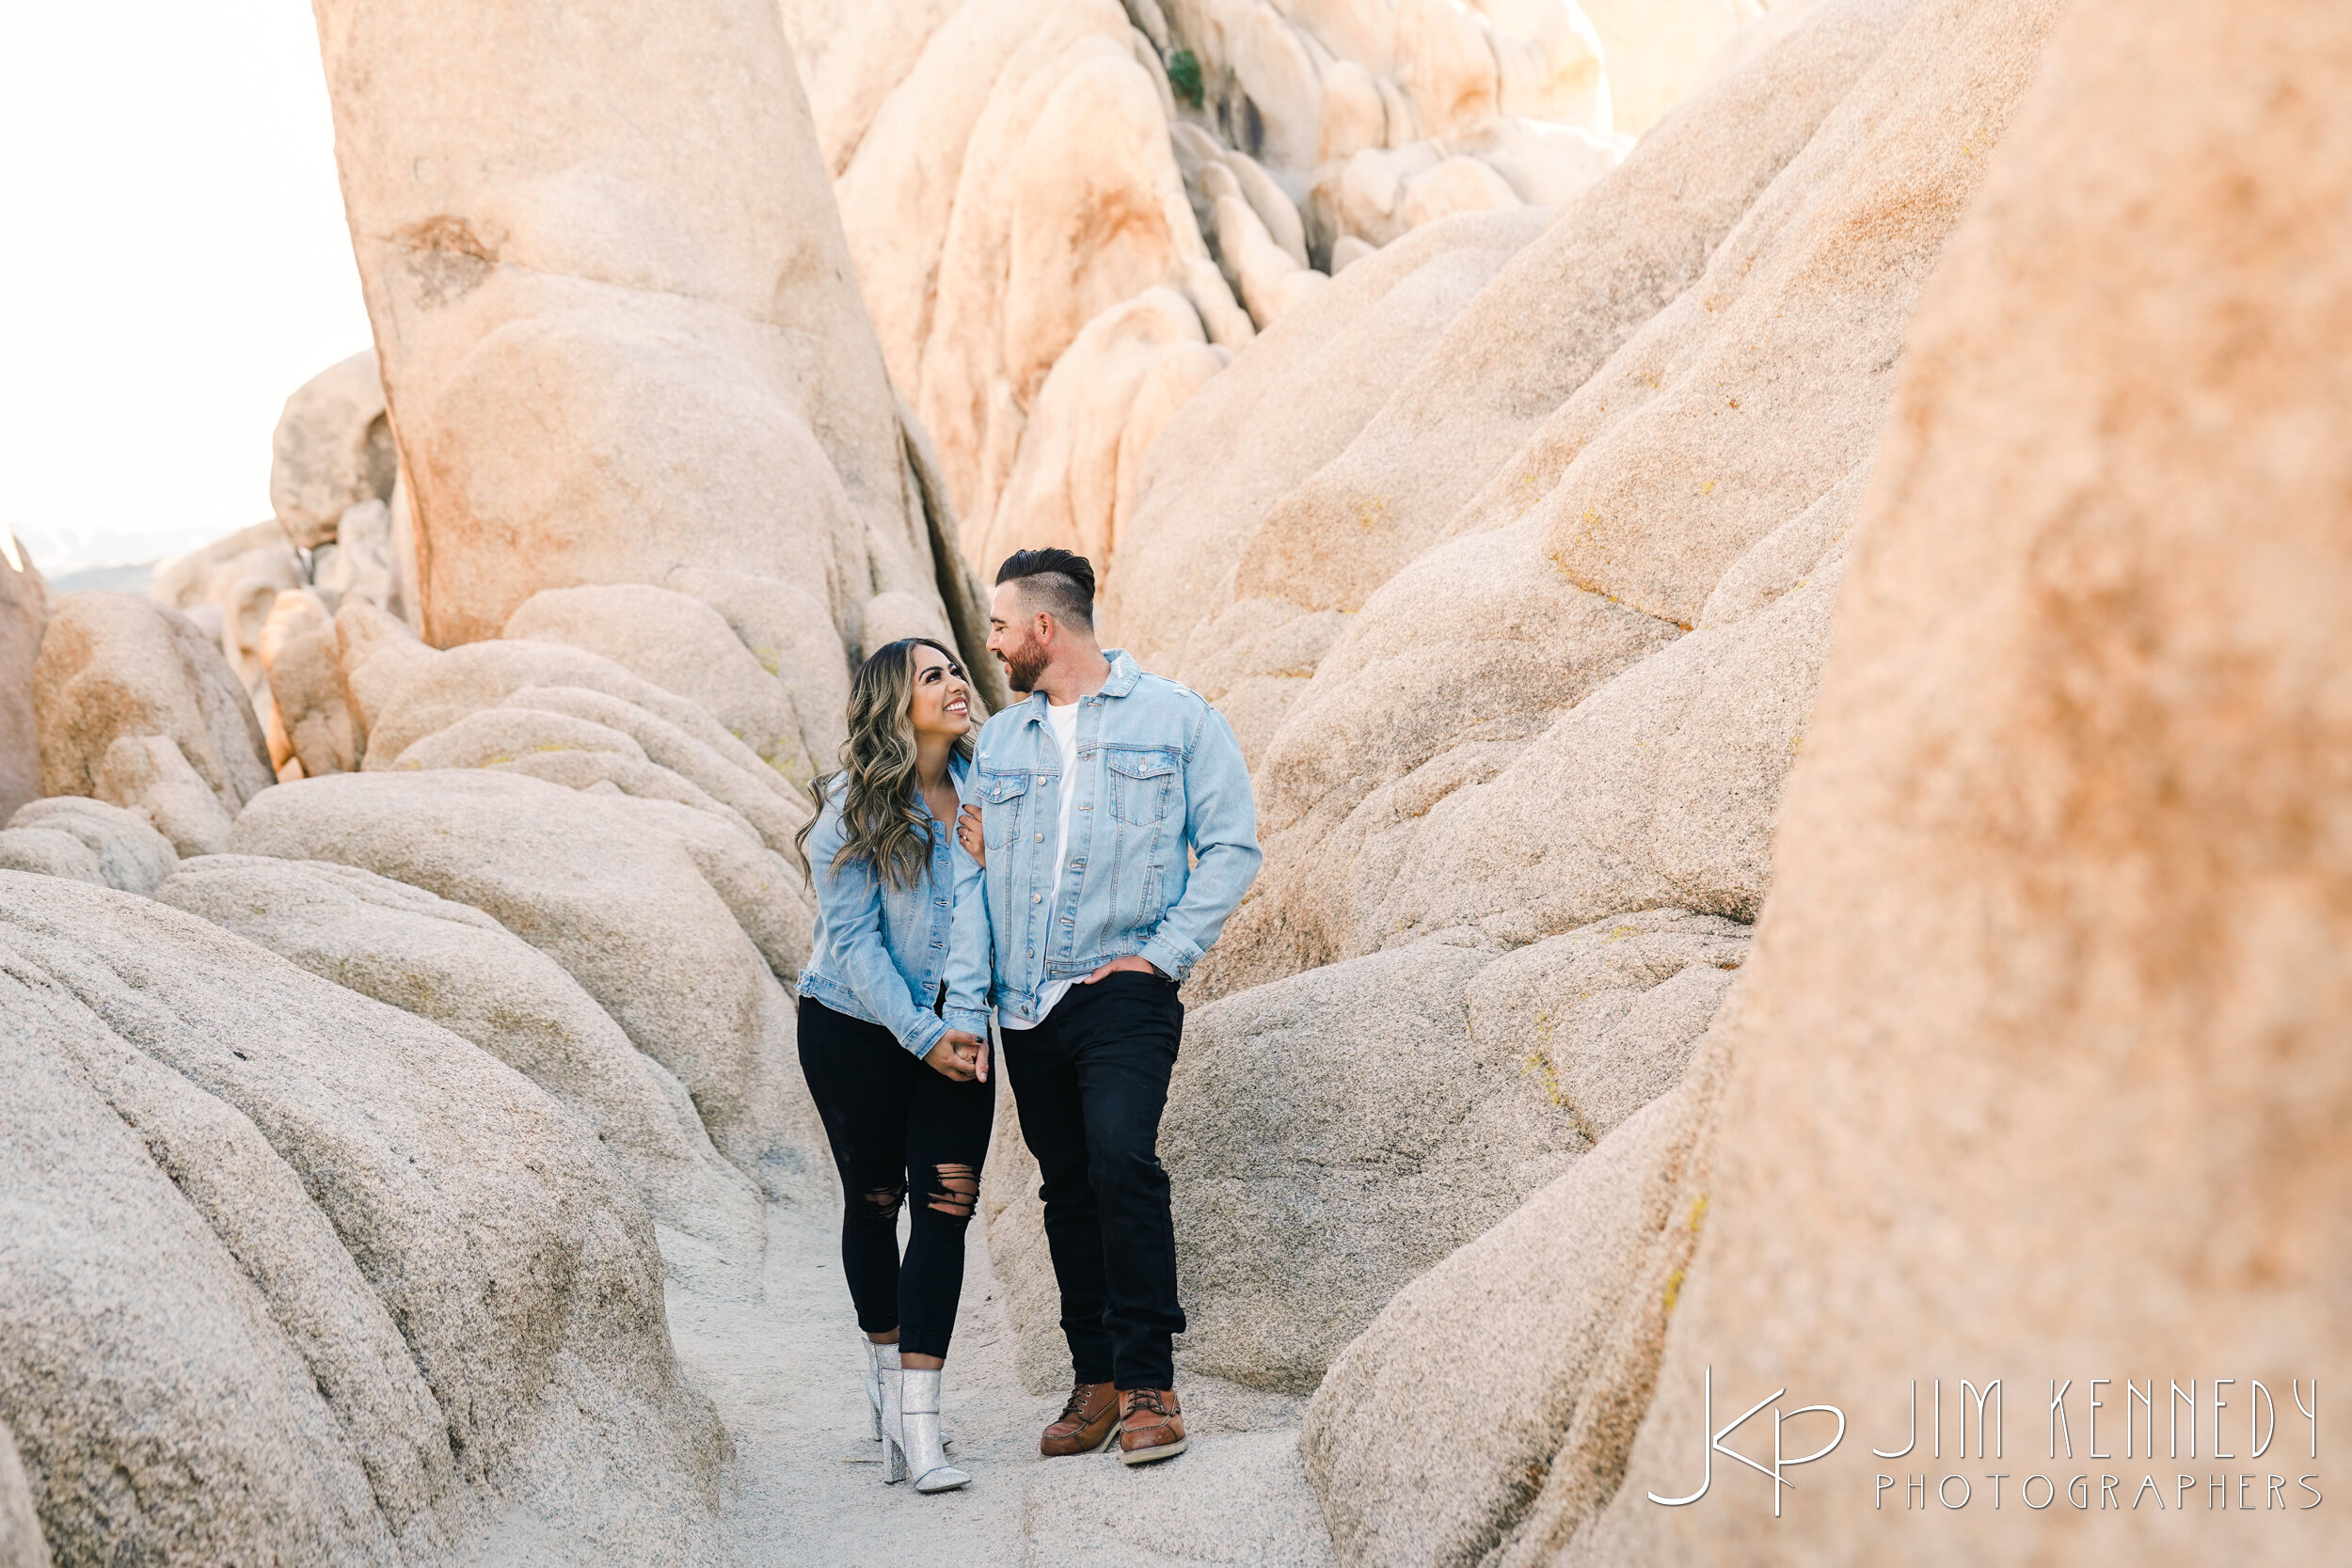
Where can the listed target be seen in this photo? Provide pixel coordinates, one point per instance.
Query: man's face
(1013, 637)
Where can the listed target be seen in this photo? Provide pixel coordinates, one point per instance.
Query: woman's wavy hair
(883, 821)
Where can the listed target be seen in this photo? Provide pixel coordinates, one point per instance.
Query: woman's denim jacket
(1163, 842)
(880, 952)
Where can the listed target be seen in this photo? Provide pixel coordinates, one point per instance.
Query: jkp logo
(1780, 1460)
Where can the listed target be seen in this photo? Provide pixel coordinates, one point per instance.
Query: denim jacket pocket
(1003, 804)
(1142, 785)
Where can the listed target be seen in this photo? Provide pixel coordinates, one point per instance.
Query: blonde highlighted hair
(883, 821)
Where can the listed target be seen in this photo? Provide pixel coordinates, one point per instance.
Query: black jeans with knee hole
(895, 1124)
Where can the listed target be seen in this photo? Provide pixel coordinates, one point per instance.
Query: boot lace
(1075, 1411)
(1147, 1399)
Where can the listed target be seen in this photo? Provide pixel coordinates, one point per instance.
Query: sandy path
(806, 1483)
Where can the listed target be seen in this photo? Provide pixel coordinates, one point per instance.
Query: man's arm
(1221, 822)
(971, 948)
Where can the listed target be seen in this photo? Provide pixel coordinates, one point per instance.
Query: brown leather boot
(1086, 1423)
(1150, 1425)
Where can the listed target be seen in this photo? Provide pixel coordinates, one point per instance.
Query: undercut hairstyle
(1060, 582)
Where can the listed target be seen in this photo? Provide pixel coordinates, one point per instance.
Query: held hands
(960, 1056)
(968, 833)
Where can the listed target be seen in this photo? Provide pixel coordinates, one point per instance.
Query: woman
(905, 1100)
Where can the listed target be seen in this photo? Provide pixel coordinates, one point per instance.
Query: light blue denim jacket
(879, 952)
(1159, 775)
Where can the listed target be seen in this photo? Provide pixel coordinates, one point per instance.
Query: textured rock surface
(228, 588)
(1309, 1189)
(1636, 497)
(534, 204)
(683, 646)
(1545, 1316)
(454, 965)
(332, 451)
(693, 758)
(127, 850)
(302, 655)
(299, 1328)
(118, 669)
(50, 853)
(2059, 901)
(1288, 406)
(23, 615)
(21, 1546)
(623, 904)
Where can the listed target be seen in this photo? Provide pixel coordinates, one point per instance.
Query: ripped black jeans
(895, 1123)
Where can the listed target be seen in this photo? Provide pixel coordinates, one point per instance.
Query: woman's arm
(850, 897)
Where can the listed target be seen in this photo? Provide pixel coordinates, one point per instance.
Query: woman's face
(942, 703)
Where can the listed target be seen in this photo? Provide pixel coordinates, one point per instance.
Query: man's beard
(1024, 665)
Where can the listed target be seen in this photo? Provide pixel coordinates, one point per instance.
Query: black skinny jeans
(894, 1122)
(1089, 1082)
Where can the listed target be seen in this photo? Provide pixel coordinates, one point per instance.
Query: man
(1114, 821)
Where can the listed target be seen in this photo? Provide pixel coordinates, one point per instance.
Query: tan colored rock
(1110, 394)
(228, 587)
(674, 732)
(375, 657)
(114, 667)
(351, 1337)
(21, 1546)
(1606, 267)
(888, 618)
(2058, 906)
(1254, 432)
(149, 774)
(301, 654)
(332, 451)
(24, 616)
(899, 189)
(1674, 485)
(457, 967)
(48, 852)
(129, 853)
(1542, 1314)
(851, 55)
(786, 629)
(360, 564)
(623, 904)
(536, 204)
(683, 646)
(1069, 202)
(1607, 1017)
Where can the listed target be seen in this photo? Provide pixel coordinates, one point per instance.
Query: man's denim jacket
(879, 952)
(1163, 842)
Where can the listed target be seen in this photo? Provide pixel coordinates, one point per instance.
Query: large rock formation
(1562, 759)
(137, 708)
(669, 919)
(2060, 903)
(456, 966)
(1984, 1110)
(332, 451)
(1064, 217)
(608, 353)
(293, 1273)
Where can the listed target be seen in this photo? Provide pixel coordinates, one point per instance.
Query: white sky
(174, 263)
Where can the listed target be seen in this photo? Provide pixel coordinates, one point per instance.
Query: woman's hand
(968, 833)
(960, 1056)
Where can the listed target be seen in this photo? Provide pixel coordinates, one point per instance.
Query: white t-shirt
(1065, 722)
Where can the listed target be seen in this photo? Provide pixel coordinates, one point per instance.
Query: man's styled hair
(1060, 582)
